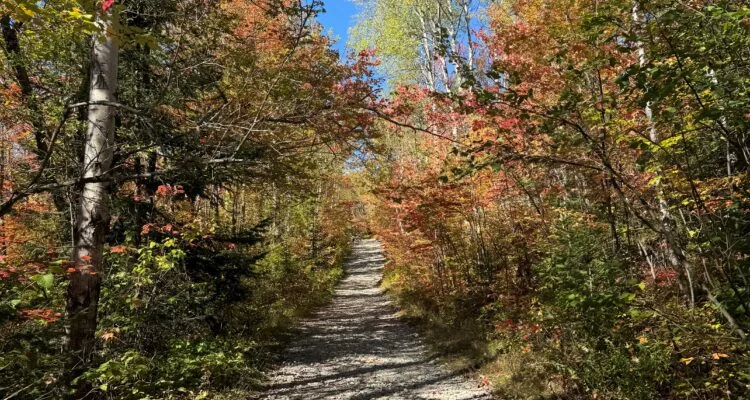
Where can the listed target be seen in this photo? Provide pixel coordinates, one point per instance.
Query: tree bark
(93, 208)
(469, 40)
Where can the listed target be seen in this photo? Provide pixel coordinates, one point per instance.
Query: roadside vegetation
(562, 190)
(171, 192)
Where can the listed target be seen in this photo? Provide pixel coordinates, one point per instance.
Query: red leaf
(107, 4)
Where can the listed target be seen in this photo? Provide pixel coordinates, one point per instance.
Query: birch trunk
(428, 67)
(675, 255)
(93, 212)
(469, 40)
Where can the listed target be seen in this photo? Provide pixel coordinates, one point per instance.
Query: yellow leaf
(686, 361)
(717, 356)
(29, 12)
(642, 340)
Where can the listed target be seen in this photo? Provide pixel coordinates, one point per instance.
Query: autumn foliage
(226, 198)
(567, 205)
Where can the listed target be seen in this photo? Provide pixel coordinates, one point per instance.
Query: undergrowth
(582, 331)
(180, 321)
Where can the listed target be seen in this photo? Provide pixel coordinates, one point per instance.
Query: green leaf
(44, 281)
(628, 297)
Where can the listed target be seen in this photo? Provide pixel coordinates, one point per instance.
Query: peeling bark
(93, 208)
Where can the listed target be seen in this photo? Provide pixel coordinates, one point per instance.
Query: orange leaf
(118, 249)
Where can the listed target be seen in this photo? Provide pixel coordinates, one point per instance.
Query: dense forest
(561, 188)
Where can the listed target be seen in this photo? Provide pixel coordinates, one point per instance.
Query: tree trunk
(469, 40)
(429, 58)
(93, 210)
(674, 252)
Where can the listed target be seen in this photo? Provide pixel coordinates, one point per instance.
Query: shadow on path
(355, 348)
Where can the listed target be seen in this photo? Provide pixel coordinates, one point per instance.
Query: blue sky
(339, 16)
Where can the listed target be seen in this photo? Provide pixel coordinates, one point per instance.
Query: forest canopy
(561, 189)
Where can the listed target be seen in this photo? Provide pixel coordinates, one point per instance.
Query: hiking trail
(357, 348)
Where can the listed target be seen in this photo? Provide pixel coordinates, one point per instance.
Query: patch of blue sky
(338, 17)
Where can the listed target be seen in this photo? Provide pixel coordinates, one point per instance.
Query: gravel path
(356, 348)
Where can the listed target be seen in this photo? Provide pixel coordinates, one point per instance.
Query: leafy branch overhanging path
(356, 348)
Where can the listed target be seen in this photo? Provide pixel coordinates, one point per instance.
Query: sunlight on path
(356, 348)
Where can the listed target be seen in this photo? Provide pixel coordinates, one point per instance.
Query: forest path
(356, 348)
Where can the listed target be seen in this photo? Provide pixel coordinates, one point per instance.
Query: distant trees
(426, 42)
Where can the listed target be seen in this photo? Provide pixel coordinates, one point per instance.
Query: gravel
(356, 348)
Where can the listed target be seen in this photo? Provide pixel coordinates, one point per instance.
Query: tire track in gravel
(356, 348)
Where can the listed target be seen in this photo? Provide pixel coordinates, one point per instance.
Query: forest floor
(357, 348)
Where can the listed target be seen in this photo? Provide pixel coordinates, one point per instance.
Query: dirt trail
(356, 348)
